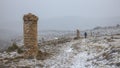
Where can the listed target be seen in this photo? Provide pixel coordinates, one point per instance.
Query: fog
(60, 14)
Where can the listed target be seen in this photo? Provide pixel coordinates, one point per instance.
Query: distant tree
(98, 27)
(117, 25)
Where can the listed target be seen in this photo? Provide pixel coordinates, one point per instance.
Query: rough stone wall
(30, 35)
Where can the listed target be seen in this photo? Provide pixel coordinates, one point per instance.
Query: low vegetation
(14, 47)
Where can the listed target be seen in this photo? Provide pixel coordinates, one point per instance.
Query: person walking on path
(85, 34)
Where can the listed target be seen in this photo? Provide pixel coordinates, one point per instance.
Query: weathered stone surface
(77, 34)
(30, 35)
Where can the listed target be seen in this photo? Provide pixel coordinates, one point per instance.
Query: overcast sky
(58, 14)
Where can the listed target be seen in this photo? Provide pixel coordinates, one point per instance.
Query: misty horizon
(60, 15)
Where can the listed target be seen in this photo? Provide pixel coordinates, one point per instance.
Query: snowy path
(75, 54)
(69, 57)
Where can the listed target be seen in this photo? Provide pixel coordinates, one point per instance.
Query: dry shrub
(42, 55)
(12, 48)
(110, 40)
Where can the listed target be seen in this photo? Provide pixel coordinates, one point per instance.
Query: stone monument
(30, 35)
(78, 33)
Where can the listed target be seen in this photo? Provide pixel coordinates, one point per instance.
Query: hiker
(85, 34)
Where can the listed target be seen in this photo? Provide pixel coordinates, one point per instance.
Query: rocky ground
(92, 52)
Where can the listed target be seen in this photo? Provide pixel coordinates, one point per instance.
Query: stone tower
(78, 33)
(30, 35)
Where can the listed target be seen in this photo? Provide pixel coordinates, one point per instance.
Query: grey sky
(60, 14)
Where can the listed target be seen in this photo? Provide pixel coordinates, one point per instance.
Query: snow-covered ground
(101, 51)
(92, 52)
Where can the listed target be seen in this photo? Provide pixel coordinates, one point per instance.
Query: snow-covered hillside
(100, 31)
(101, 51)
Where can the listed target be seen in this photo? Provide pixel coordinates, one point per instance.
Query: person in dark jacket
(85, 34)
